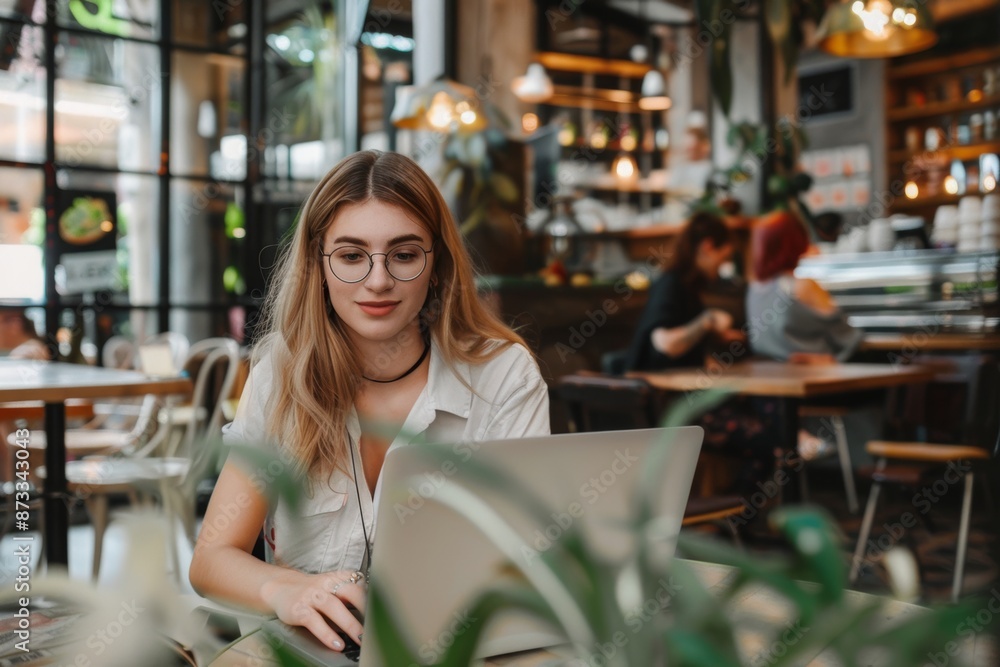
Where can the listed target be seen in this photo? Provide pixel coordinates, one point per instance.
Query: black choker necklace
(427, 348)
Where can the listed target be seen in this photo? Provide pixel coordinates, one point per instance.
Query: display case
(898, 292)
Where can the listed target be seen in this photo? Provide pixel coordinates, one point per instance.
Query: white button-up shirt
(508, 399)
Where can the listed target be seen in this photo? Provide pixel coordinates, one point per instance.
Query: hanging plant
(785, 21)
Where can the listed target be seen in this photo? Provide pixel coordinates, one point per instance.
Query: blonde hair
(317, 372)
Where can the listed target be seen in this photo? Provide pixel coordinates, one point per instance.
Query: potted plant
(578, 591)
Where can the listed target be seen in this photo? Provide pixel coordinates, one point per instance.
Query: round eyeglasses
(352, 265)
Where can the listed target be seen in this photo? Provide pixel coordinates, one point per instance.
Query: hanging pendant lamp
(876, 29)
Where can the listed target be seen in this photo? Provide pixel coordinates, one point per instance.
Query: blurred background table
(53, 384)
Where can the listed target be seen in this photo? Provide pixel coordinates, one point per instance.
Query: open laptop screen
(430, 560)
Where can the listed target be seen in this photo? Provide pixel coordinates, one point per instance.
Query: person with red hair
(789, 318)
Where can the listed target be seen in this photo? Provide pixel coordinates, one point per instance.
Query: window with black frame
(175, 165)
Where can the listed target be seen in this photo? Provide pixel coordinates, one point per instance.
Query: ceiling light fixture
(535, 86)
(876, 28)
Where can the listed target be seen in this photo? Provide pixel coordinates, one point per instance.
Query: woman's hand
(314, 600)
(718, 320)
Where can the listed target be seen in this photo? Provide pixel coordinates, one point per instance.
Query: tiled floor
(81, 552)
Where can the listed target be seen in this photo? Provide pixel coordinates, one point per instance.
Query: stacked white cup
(945, 232)
(989, 227)
(969, 229)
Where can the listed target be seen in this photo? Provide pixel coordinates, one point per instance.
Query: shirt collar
(448, 386)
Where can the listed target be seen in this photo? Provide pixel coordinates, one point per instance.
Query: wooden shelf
(940, 109)
(632, 188)
(920, 202)
(941, 64)
(580, 101)
(568, 62)
(964, 153)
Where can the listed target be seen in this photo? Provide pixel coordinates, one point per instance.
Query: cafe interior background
(571, 138)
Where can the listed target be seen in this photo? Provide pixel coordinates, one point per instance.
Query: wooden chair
(914, 463)
(598, 402)
(164, 468)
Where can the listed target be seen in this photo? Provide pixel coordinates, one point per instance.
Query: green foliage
(780, 146)
(784, 20)
(570, 586)
(471, 162)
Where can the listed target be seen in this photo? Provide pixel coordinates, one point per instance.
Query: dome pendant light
(534, 87)
(654, 95)
(876, 29)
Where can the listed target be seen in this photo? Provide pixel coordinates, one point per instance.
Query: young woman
(374, 320)
(674, 324)
(804, 323)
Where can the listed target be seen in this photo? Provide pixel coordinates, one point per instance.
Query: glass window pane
(218, 24)
(207, 116)
(201, 323)
(107, 103)
(22, 235)
(117, 18)
(136, 231)
(22, 93)
(24, 11)
(304, 116)
(206, 243)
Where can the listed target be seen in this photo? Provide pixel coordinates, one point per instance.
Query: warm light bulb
(598, 140)
(875, 18)
(468, 117)
(529, 122)
(911, 190)
(239, 233)
(441, 113)
(951, 185)
(566, 136)
(989, 183)
(898, 15)
(858, 7)
(910, 19)
(107, 226)
(625, 167)
(629, 142)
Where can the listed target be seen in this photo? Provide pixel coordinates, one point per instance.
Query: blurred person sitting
(804, 324)
(794, 319)
(689, 176)
(675, 324)
(18, 337)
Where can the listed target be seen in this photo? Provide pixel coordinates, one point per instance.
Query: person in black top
(673, 326)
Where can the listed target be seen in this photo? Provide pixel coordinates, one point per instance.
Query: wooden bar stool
(931, 456)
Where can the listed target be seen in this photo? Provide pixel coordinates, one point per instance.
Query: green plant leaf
(770, 573)
(551, 573)
(778, 18)
(504, 187)
(287, 482)
(810, 532)
(386, 632)
(481, 612)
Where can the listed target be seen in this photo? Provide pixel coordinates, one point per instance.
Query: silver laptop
(430, 560)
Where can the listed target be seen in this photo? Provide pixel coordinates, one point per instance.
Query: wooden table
(54, 383)
(792, 384)
(35, 410)
(929, 342)
(755, 605)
